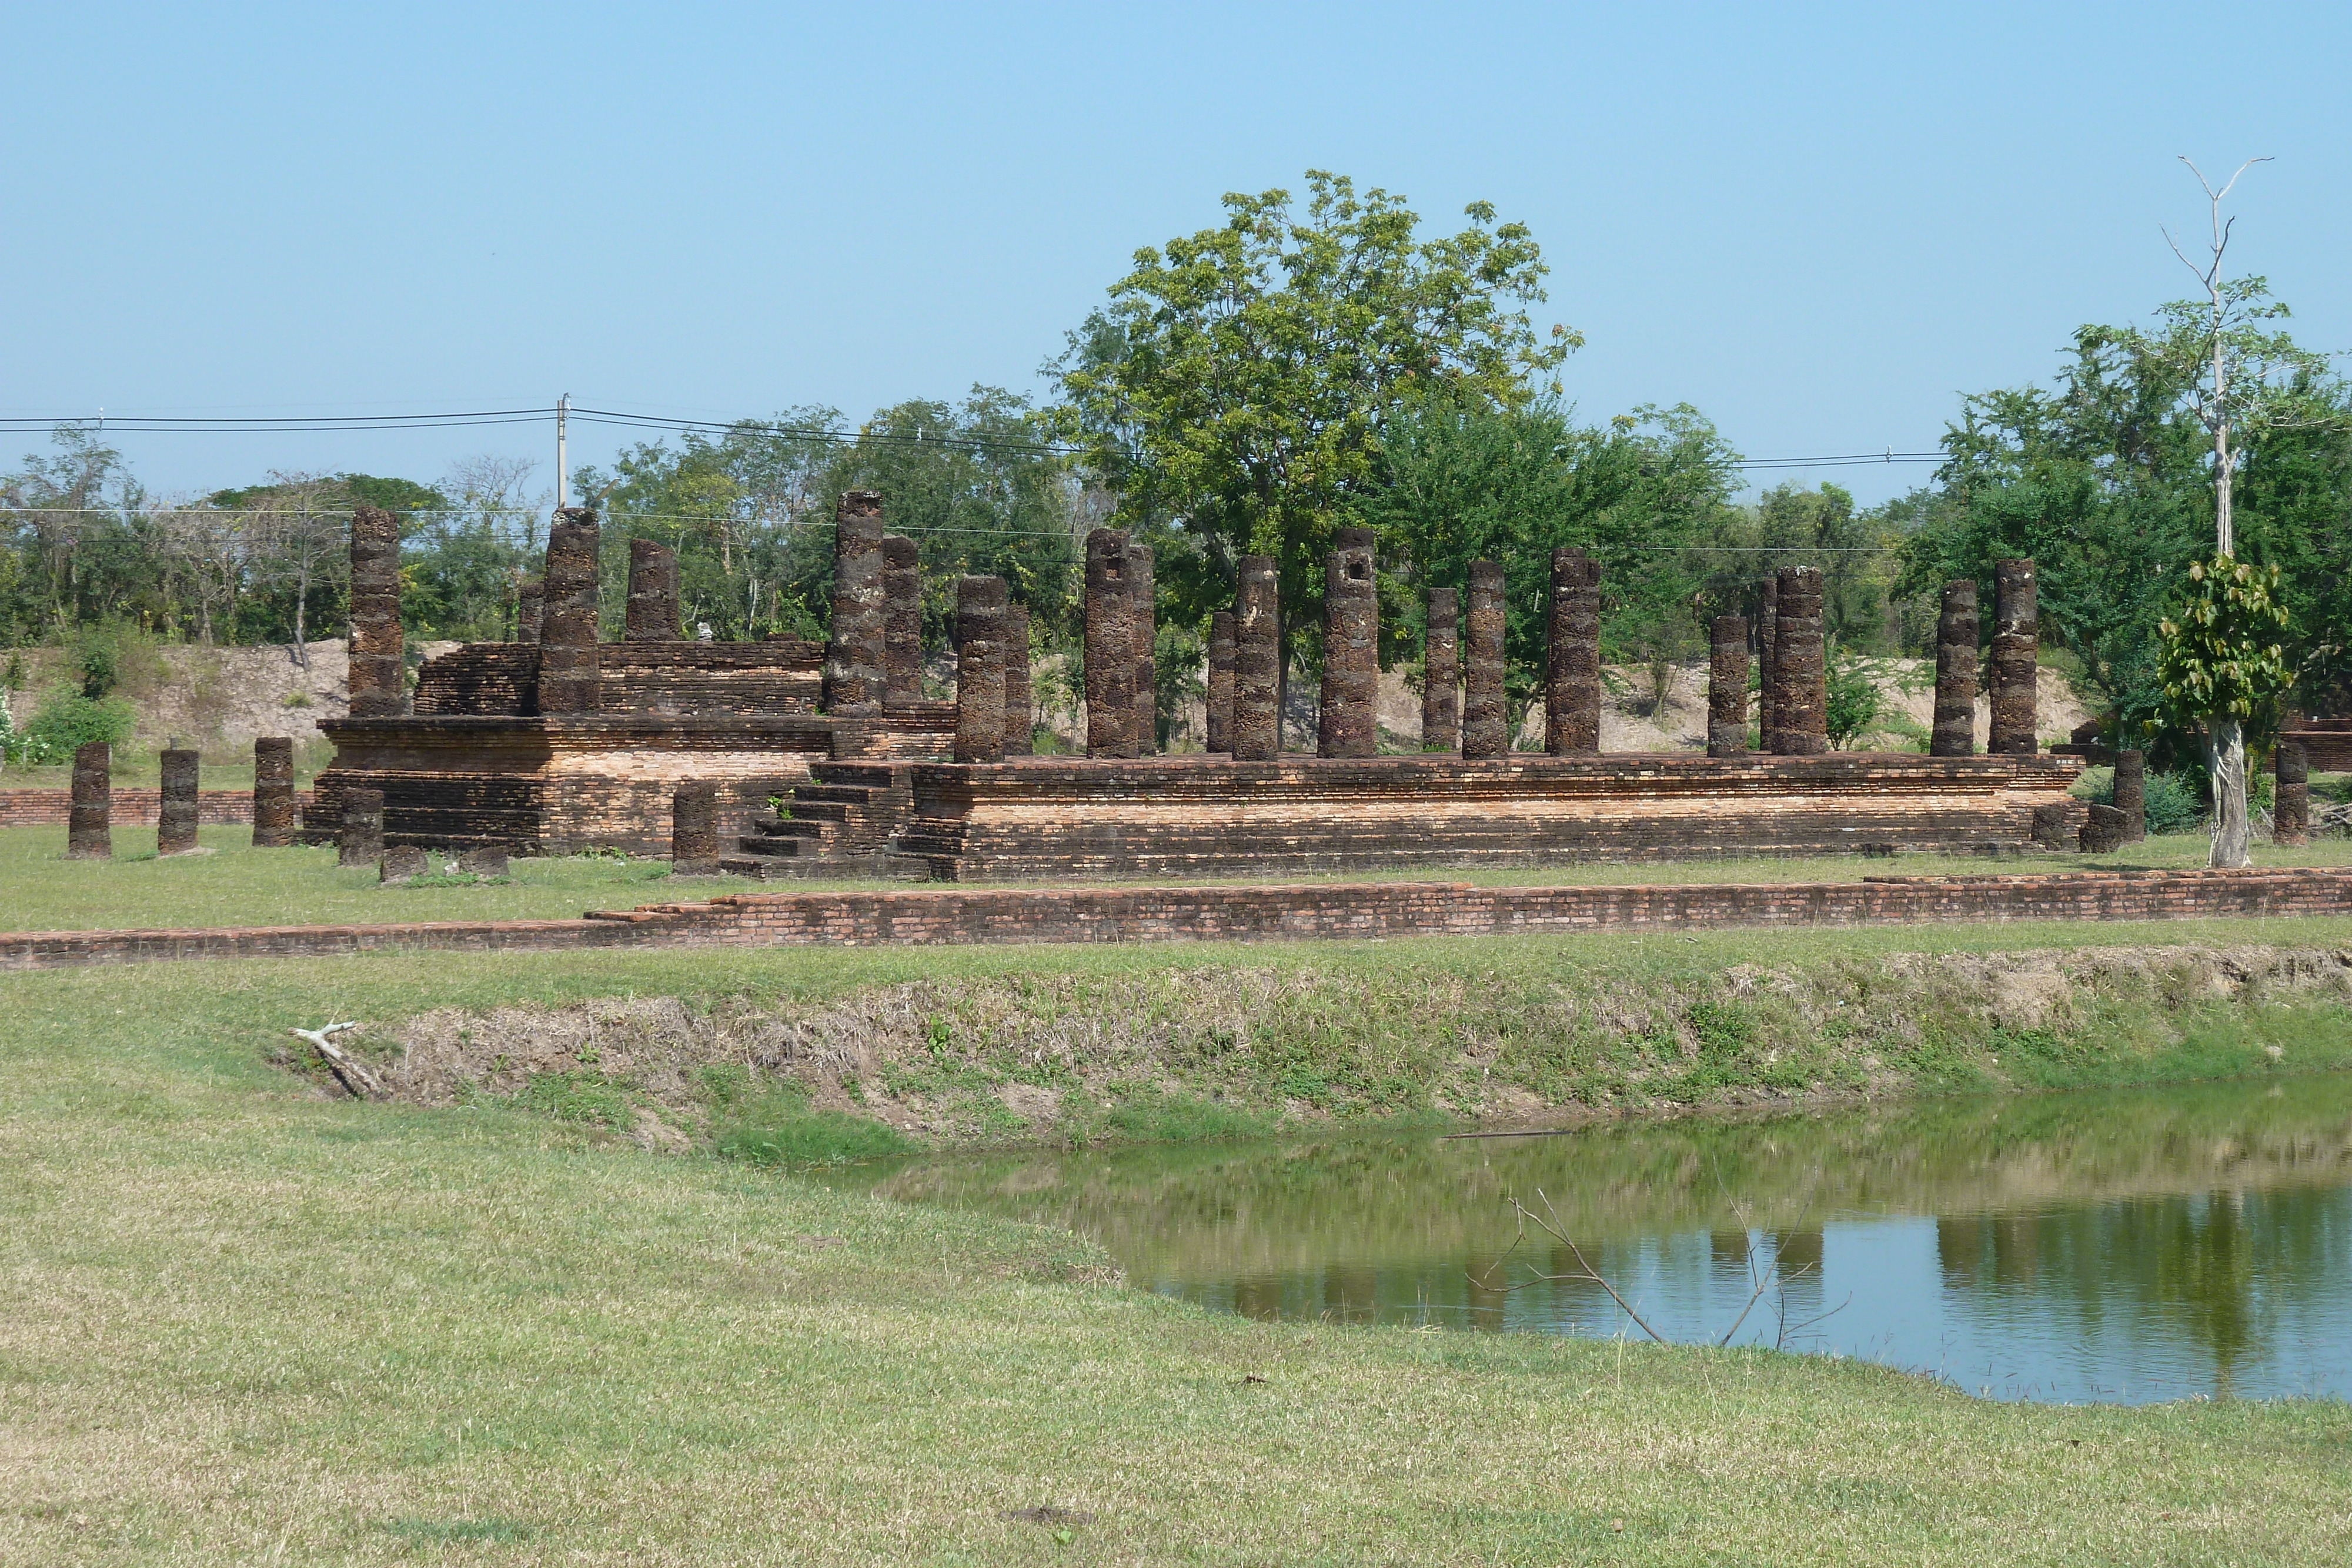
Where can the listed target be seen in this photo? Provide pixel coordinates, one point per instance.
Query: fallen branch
(348, 1069)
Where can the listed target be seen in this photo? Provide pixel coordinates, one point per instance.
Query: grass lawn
(241, 1321)
(239, 885)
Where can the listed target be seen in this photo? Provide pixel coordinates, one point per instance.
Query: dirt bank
(1223, 1047)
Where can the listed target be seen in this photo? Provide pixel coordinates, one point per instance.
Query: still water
(2124, 1246)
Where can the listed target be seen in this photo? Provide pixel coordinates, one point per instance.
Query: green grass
(240, 1321)
(239, 885)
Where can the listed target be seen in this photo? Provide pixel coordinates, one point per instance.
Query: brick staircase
(839, 824)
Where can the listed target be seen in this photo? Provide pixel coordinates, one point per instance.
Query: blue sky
(1818, 223)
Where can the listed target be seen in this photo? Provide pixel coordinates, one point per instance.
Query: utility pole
(563, 466)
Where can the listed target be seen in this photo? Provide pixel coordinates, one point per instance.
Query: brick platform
(1052, 817)
(132, 807)
(959, 916)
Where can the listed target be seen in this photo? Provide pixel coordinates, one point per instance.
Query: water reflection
(2126, 1247)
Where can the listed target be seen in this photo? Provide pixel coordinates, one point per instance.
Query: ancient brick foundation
(176, 812)
(1955, 731)
(1323, 911)
(1054, 818)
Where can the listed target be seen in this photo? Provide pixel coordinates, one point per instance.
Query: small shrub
(297, 699)
(67, 721)
(2175, 804)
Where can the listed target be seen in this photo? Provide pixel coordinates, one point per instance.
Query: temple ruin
(783, 759)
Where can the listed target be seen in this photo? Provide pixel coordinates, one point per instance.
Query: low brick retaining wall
(129, 808)
(962, 916)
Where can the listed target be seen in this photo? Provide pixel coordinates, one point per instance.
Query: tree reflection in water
(2127, 1246)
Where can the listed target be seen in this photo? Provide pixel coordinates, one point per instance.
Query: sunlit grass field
(242, 1321)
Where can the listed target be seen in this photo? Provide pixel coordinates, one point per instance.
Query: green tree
(1240, 381)
(2225, 666)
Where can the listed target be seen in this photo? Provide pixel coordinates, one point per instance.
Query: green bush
(779, 1129)
(2175, 803)
(67, 721)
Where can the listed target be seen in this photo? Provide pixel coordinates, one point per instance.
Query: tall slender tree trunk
(2232, 837)
(301, 605)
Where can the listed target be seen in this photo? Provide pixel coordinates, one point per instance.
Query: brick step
(825, 868)
(778, 848)
(815, 810)
(865, 775)
(789, 827)
(844, 794)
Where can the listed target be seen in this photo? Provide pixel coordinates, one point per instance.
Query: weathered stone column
(1441, 672)
(1770, 716)
(651, 615)
(1221, 682)
(529, 607)
(902, 622)
(1956, 672)
(175, 812)
(2016, 643)
(1804, 682)
(1726, 686)
(1572, 682)
(980, 669)
(1485, 730)
(568, 682)
(376, 678)
(2291, 795)
(88, 830)
(2131, 794)
(1255, 735)
(1110, 646)
(694, 829)
(1142, 603)
(1347, 724)
(1020, 716)
(360, 840)
(273, 791)
(853, 680)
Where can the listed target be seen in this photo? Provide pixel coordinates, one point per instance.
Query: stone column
(1726, 686)
(902, 622)
(376, 678)
(273, 791)
(1110, 646)
(1019, 718)
(1485, 730)
(568, 682)
(1804, 681)
(1441, 672)
(1347, 725)
(175, 812)
(360, 840)
(2291, 796)
(980, 669)
(853, 680)
(1956, 672)
(1768, 665)
(2015, 646)
(652, 594)
(2131, 794)
(1255, 735)
(1221, 682)
(88, 835)
(694, 829)
(1142, 602)
(529, 605)
(1573, 684)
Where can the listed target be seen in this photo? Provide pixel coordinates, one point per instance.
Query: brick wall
(132, 807)
(957, 916)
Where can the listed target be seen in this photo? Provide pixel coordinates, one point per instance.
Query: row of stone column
(89, 821)
(2016, 651)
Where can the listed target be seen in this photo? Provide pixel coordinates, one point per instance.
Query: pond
(2126, 1247)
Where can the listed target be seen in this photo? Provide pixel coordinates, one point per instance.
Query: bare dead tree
(301, 524)
(2214, 408)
